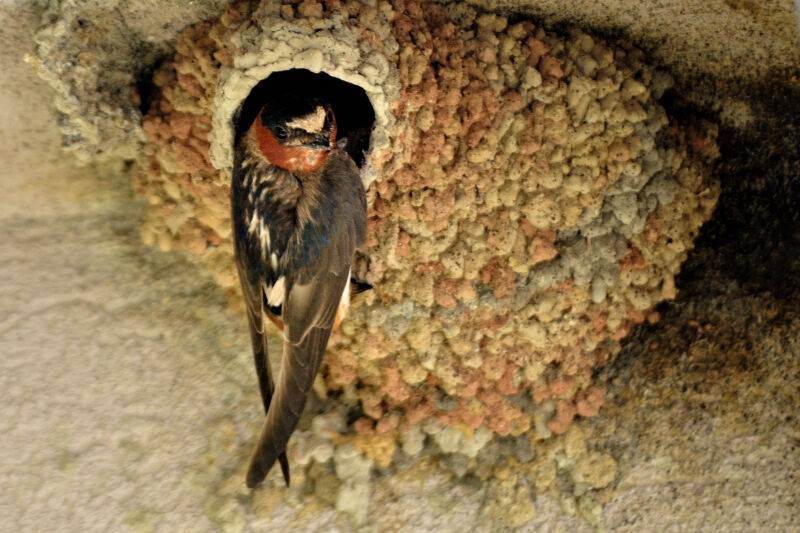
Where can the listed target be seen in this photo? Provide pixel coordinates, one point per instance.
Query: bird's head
(296, 134)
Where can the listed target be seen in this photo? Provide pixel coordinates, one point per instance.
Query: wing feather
(247, 248)
(309, 311)
(258, 338)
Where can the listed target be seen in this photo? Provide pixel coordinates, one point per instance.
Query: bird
(299, 212)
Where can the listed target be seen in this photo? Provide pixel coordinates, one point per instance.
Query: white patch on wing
(276, 293)
(273, 259)
(261, 231)
(312, 123)
(265, 236)
(254, 222)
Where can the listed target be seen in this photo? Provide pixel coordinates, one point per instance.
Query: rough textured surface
(93, 53)
(280, 37)
(128, 398)
(723, 377)
(738, 41)
(731, 40)
(532, 194)
(175, 339)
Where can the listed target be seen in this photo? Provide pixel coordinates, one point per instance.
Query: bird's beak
(320, 141)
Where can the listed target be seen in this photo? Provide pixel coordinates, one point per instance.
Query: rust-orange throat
(294, 158)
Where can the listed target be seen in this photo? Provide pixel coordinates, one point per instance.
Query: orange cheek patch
(292, 158)
(275, 153)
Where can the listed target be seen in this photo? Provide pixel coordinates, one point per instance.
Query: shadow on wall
(753, 236)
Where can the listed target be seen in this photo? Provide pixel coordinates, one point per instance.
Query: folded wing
(308, 313)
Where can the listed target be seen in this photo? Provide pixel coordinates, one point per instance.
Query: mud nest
(529, 201)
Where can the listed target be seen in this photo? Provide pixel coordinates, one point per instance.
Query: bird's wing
(252, 274)
(308, 313)
(251, 288)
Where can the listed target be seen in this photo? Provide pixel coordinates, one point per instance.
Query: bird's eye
(328, 116)
(281, 133)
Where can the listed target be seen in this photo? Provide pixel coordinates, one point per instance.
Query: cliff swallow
(299, 212)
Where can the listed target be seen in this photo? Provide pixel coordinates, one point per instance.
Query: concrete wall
(129, 399)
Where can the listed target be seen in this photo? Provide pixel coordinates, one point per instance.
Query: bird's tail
(309, 313)
(298, 369)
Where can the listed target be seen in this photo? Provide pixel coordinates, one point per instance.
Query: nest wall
(529, 201)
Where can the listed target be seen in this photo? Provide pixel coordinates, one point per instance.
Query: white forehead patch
(312, 123)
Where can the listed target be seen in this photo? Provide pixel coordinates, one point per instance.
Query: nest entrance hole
(354, 113)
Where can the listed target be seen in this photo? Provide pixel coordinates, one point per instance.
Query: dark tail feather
(299, 369)
(271, 447)
(265, 382)
(267, 389)
(285, 468)
(309, 312)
